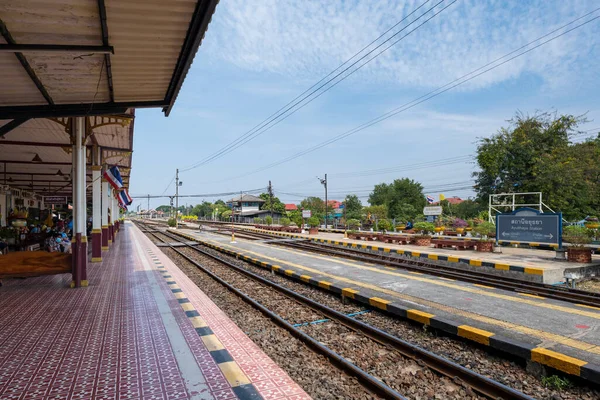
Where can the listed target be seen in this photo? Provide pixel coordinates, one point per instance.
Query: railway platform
(528, 264)
(141, 329)
(556, 333)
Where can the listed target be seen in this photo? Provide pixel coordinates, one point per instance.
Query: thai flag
(125, 198)
(429, 199)
(113, 176)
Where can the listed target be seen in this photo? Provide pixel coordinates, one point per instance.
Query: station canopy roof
(95, 58)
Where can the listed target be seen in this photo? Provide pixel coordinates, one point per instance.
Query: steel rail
(371, 383)
(477, 382)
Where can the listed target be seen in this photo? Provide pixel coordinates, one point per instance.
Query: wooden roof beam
(9, 39)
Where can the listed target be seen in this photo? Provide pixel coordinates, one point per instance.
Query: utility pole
(270, 191)
(148, 204)
(176, 198)
(324, 183)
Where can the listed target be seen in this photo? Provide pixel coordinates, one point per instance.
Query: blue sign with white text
(529, 226)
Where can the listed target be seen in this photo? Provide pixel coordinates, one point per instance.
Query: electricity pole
(177, 198)
(148, 206)
(270, 191)
(324, 183)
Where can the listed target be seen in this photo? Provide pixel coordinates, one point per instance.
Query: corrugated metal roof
(154, 42)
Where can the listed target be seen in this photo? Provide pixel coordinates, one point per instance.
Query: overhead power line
(434, 93)
(259, 190)
(276, 118)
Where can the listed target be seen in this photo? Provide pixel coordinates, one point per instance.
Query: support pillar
(96, 210)
(105, 197)
(109, 204)
(79, 246)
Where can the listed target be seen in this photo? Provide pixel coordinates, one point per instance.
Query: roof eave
(198, 27)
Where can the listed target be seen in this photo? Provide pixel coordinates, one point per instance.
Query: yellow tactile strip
(541, 355)
(239, 381)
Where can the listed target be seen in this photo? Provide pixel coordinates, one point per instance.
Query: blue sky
(259, 54)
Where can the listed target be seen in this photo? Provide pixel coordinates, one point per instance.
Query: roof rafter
(104, 27)
(9, 39)
(12, 125)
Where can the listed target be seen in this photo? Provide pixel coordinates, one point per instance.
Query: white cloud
(306, 39)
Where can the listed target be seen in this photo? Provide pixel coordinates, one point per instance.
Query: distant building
(291, 207)
(451, 200)
(247, 207)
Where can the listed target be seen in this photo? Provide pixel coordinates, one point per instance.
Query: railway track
(507, 283)
(478, 383)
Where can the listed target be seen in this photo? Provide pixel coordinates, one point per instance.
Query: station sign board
(306, 213)
(432, 210)
(528, 225)
(55, 200)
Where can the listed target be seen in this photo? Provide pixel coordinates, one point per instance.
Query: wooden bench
(34, 263)
(450, 243)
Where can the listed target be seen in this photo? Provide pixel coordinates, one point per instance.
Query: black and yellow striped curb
(415, 254)
(240, 383)
(550, 358)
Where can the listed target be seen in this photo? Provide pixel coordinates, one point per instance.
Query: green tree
(398, 196)
(203, 210)
(376, 212)
(535, 154)
(352, 207)
(314, 204)
(164, 209)
(226, 215)
(278, 206)
(467, 209)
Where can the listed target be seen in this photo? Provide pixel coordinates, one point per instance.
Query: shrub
(313, 222)
(256, 220)
(172, 222)
(384, 225)
(424, 227)
(460, 223)
(284, 221)
(577, 236)
(485, 229)
(269, 220)
(353, 223)
(226, 215)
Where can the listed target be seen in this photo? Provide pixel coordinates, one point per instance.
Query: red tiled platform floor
(113, 340)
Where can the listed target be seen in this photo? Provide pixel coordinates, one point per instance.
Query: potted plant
(424, 237)
(578, 237)
(313, 222)
(460, 225)
(400, 227)
(470, 225)
(439, 226)
(353, 224)
(592, 223)
(383, 225)
(485, 230)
